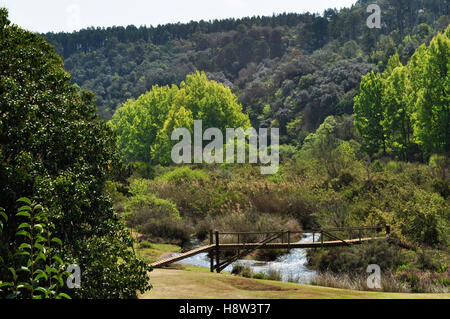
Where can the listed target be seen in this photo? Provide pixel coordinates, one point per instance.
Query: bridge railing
(339, 233)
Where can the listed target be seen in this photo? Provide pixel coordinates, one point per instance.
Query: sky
(69, 15)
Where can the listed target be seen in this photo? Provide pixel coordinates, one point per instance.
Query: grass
(150, 252)
(198, 283)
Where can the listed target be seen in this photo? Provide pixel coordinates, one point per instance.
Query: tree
(432, 125)
(368, 110)
(55, 151)
(397, 117)
(144, 126)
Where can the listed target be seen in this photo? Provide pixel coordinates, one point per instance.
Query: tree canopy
(408, 108)
(144, 126)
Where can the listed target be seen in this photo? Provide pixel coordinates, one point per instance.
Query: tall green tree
(397, 118)
(144, 126)
(55, 150)
(368, 110)
(432, 125)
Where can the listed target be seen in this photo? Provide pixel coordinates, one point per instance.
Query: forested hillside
(290, 70)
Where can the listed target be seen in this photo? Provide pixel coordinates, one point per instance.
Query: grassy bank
(199, 283)
(151, 252)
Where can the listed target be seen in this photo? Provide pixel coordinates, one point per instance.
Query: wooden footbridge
(243, 243)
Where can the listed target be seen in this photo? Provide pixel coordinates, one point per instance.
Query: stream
(291, 267)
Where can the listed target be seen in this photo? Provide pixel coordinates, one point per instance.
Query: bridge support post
(211, 253)
(321, 238)
(217, 252)
(289, 238)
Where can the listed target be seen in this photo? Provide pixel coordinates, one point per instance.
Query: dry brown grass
(199, 283)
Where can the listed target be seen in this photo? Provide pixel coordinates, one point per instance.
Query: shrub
(165, 229)
(143, 170)
(269, 254)
(145, 244)
(55, 150)
(394, 167)
(142, 207)
(184, 173)
(357, 258)
(242, 270)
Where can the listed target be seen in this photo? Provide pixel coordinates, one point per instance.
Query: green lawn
(199, 283)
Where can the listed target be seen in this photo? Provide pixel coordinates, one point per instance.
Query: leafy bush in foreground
(55, 151)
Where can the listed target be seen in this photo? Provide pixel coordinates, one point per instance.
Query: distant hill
(290, 70)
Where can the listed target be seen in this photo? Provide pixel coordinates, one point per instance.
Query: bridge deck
(318, 244)
(187, 254)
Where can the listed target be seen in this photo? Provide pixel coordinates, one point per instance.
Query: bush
(145, 244)
(185, 174)
(356, 258)
(142, 207)
(55, 150)
(167, 230)
(269, 254)
(143, 170)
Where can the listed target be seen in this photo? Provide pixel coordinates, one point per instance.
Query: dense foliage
(55, 151)
(144, 126)
(408, 108)
(40, 272)
(287, 70)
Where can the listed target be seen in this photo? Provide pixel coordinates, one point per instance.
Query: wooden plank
(187, 254)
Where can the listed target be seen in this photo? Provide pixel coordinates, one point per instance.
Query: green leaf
(23, 233)
(22, 253)
(22, 268)
(40, 239)
(24, 225)
(13, 272)
(24, 200)
(56, 277)
(5, 217)
(25, 285)
(57, 240)
(6, 284)
(63, 295)
(25, 208)
(41, 256)
(24, 213)
(58, 259)
(24, 246)
(41, 275)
